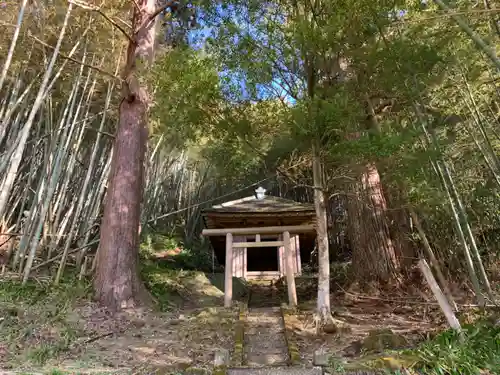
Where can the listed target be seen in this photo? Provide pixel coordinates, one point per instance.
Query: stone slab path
(265, 343)
(290, 371)
(275, 371)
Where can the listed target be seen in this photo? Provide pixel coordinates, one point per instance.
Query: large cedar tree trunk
(374, 255)
(117, 283)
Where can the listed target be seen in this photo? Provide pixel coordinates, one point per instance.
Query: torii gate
(283, 230)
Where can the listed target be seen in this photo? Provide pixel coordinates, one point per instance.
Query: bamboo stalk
(476, 38)
(443, 303)
(12, 47)
(17, 157)
(83, 194)
(456, 220)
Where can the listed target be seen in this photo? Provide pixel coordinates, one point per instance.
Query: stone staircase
(265, 350)
(265, 343)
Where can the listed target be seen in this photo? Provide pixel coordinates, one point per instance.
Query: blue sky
(197, 39)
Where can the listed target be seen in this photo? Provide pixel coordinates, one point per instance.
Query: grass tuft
(33, 322)
(446, 354)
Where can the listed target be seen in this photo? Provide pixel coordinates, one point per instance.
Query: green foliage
(197, 259)
(446, 354)
(264, 53)
(171, 253)
(46, 351)
(187, 95)
(232, 157)
(368, 147)
(155, 242)
(159, 282)
(33, 293)
(336, 365)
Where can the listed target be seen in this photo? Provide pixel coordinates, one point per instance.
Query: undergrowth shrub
(33, 325)
(160, 281)
(174, 253)
(44, 293)
(340, 273)
(446, 354)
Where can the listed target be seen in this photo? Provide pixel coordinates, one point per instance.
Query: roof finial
(260, 192)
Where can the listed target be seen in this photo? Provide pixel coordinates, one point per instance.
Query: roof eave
(303, 211)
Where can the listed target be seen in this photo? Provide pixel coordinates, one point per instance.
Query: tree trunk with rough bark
(117, 283)
(374, 254)
(323, 302)
(376, 258)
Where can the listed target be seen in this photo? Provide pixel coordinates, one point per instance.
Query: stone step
(263, 310)
(264, 328)
(275, 371)
(253, 344)
(266, 341)
(267, 359)
(265, 331)
(275, 350)
(266, 323)
(264, 320)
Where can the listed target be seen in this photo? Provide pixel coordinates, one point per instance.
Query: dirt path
(61, 328)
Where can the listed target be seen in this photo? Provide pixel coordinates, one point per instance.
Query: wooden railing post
(290, 276)
(228, 279)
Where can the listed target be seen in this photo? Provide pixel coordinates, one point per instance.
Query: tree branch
(124, 22)
(136, 5)
(159, 10)
(75, 60)
(115, 25)
(98, 10)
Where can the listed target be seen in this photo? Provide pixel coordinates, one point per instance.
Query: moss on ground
(239, 337)
(293, 351)
(382, 339)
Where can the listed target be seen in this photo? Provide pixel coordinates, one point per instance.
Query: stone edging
(239, 336)
(293, 351)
